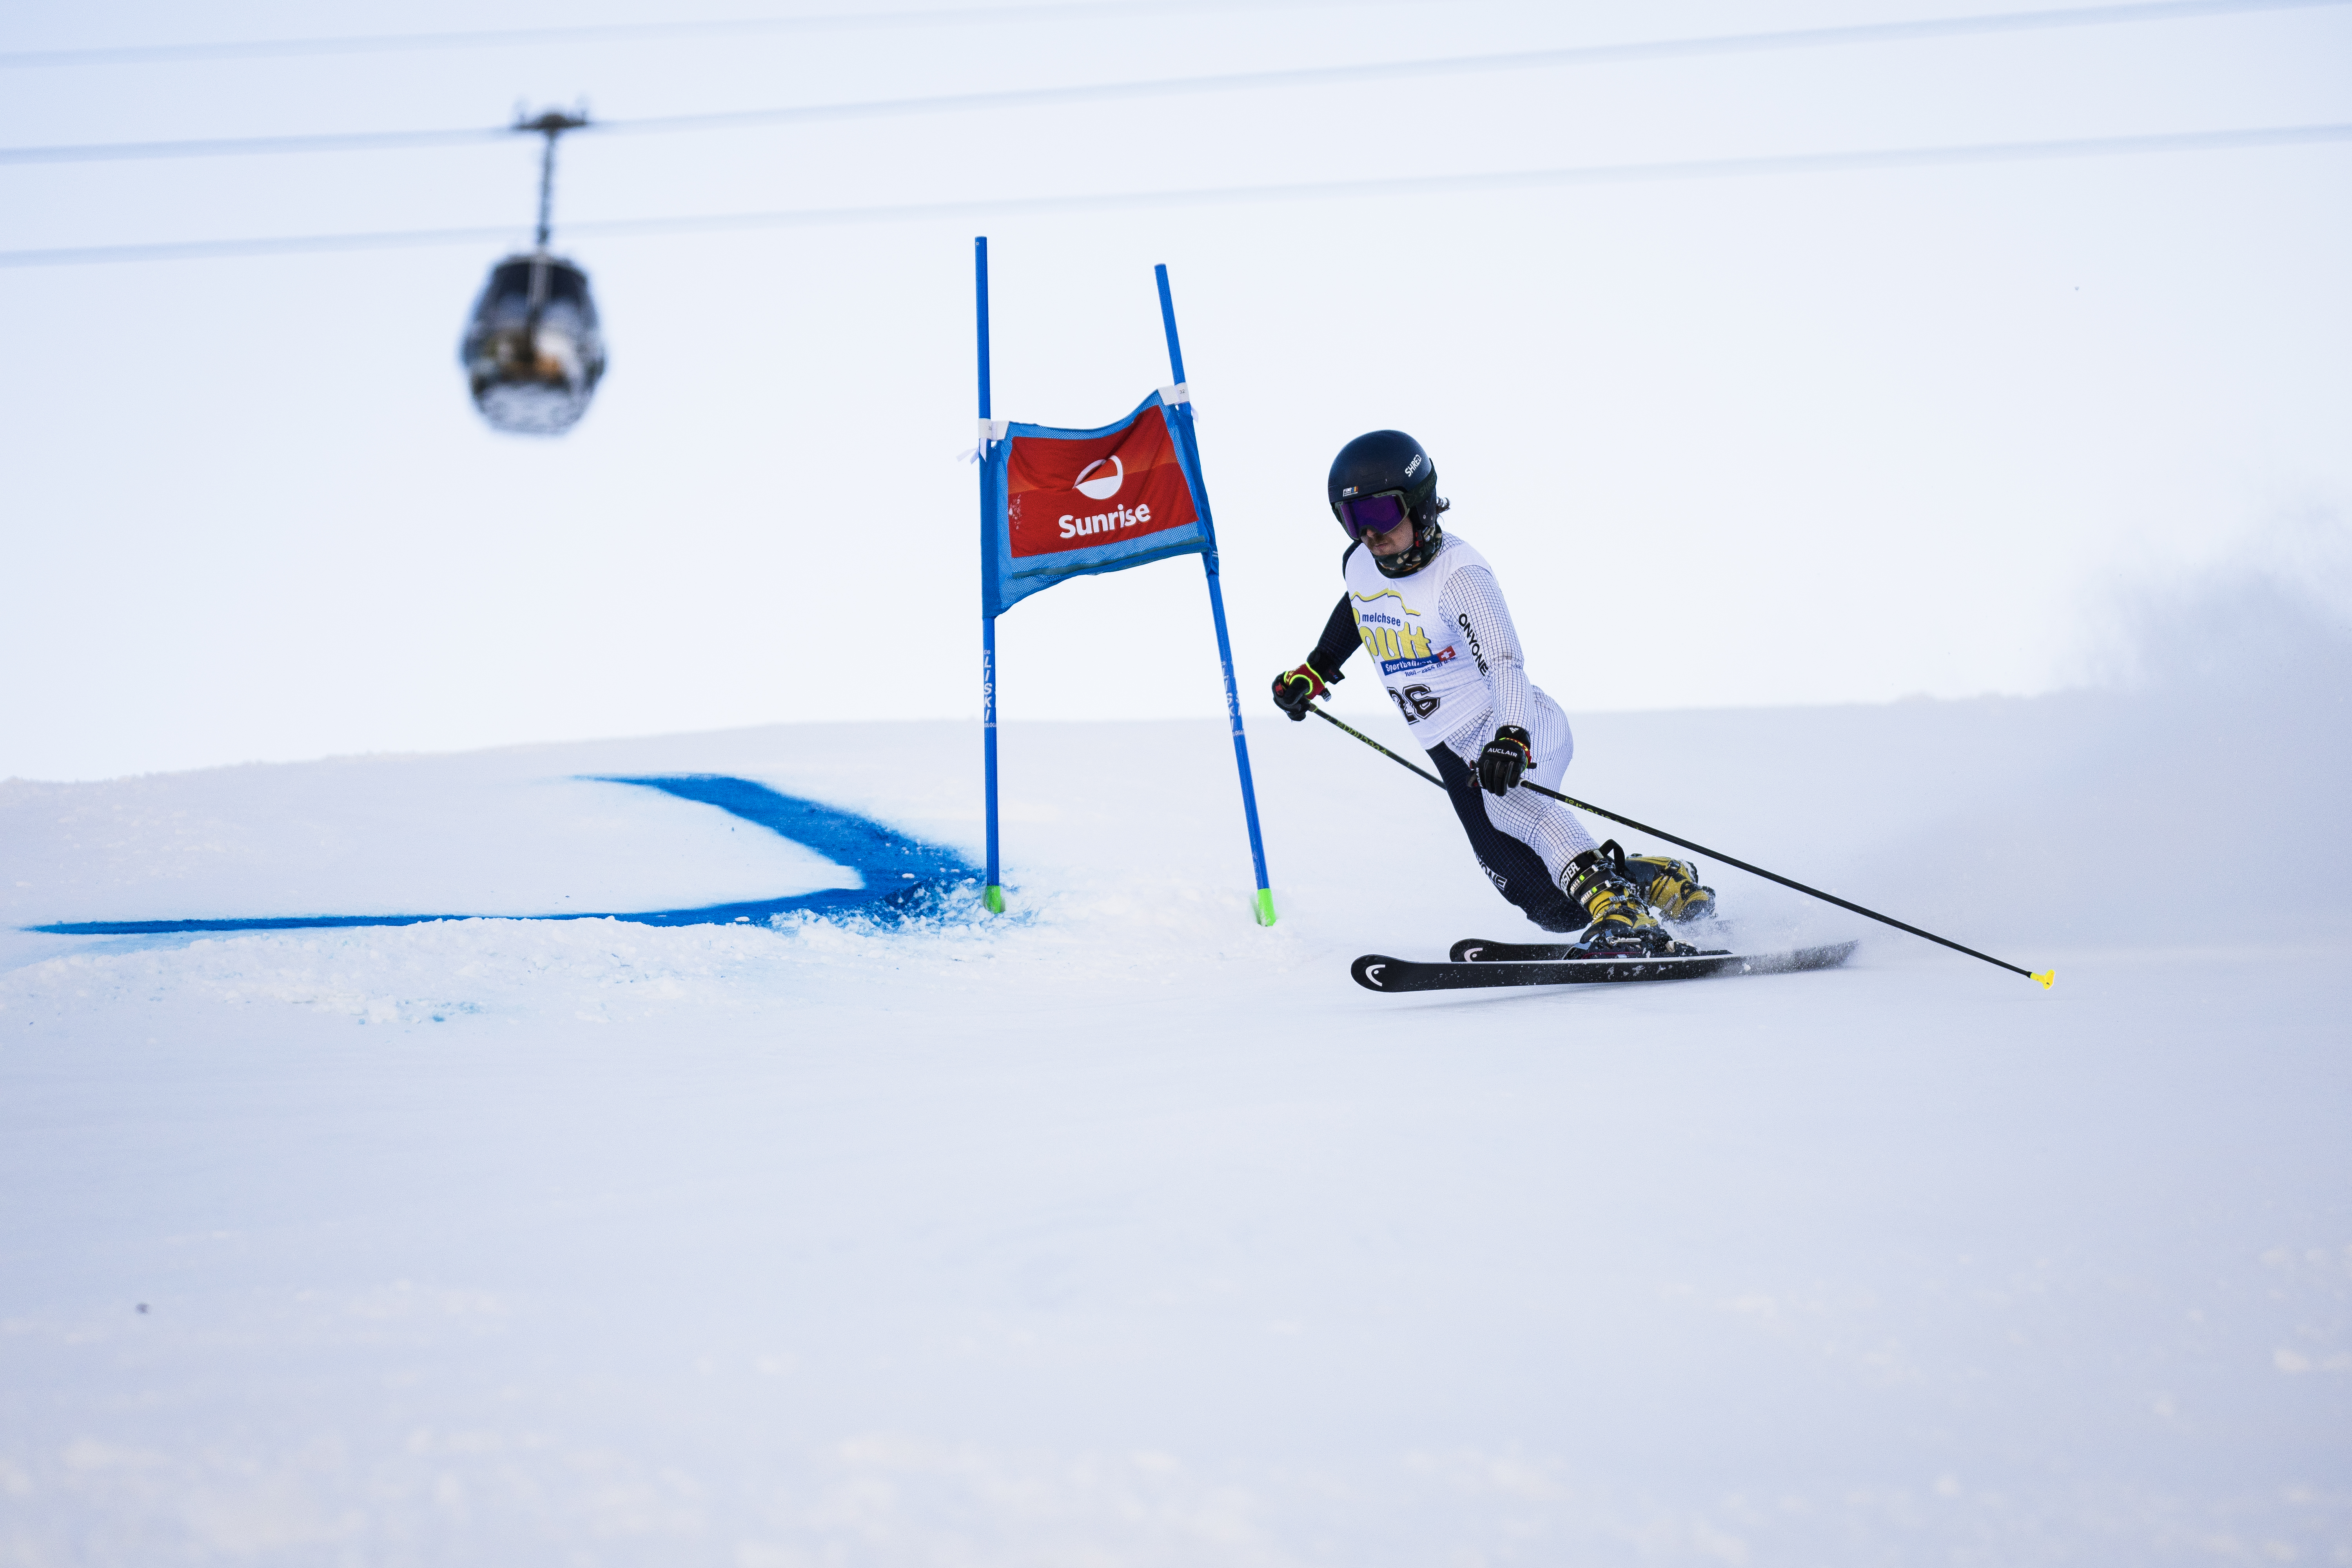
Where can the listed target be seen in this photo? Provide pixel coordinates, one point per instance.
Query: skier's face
(1395, 541)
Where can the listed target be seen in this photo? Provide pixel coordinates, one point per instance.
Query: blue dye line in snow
(898, 872)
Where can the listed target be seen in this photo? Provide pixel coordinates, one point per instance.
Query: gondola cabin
(532, 353)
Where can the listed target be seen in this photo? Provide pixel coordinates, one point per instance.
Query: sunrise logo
(1102, 488)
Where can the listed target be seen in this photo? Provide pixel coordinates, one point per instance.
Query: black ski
(1478, 949)
(1375, 972)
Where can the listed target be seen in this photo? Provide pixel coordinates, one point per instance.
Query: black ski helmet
(1385, 461)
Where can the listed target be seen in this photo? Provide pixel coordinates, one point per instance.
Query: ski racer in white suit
(1428, 608)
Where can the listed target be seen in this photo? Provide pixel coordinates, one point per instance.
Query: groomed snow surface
(1121, 1231)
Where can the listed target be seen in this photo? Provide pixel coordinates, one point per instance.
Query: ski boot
(1621, 925)
(1669, 887)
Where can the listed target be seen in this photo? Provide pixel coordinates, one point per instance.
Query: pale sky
(1729, 441)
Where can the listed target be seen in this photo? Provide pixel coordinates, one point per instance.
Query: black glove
(1295, 688)
(1506, 760)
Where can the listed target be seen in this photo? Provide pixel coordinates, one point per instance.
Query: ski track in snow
(1120, 1230)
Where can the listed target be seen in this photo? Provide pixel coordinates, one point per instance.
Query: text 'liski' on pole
(532, 353)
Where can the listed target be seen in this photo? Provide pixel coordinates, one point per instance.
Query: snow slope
(1120, 1230)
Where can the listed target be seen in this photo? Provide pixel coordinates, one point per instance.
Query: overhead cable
(1301, 76)
(1316, 190)
(239, 147)
(622, 32)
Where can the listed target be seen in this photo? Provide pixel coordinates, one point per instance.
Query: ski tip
(2048, 978)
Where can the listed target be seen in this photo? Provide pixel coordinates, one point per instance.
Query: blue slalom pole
(992, 894)
(1217, 610)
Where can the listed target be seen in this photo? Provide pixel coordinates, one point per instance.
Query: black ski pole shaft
(2047, 977)
(1409, 767)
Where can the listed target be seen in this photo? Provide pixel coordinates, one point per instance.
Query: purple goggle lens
(1371, 514)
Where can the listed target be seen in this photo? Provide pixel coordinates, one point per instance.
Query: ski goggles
(1360, 515)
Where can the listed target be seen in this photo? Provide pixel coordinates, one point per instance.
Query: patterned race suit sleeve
(1340, 638)
(1472, 601)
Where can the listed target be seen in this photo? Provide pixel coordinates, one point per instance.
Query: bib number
(1414, 702)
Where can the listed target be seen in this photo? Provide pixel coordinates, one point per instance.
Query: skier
(1428, 607)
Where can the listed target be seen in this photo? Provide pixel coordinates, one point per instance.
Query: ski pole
(1409, 767)
(2047, 976)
